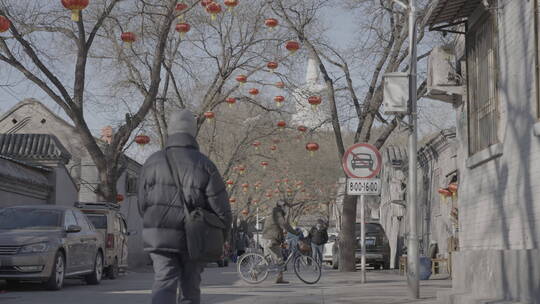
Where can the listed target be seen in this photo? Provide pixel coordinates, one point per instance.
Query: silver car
(48, 244)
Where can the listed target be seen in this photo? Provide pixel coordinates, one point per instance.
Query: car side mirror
(73, 229)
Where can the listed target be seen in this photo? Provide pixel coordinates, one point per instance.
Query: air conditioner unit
(396, 93)
(443, 80)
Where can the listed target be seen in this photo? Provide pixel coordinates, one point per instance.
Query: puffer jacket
(202, 184)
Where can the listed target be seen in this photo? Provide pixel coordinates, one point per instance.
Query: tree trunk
(347, 239)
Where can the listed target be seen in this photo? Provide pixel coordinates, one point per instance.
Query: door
(89, 241)
(123, 243)
(74, 246)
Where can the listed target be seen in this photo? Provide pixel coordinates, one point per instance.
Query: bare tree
(36, 27)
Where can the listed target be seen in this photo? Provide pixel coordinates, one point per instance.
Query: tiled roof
(448, 11)
(33, 147)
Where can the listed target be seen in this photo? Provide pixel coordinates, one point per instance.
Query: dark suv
(377, 247)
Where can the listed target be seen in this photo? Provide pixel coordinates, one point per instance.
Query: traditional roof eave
(451, 12)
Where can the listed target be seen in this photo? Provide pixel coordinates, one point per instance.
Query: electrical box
(396, 93)
(443, 79)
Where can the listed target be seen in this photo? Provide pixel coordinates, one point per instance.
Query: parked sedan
(48, 244)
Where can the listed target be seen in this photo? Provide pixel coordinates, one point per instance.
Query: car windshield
(371, 228)
(30, 218)
(99, 221)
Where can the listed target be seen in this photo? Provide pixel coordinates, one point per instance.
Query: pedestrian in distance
(319, 236)
(174, 182)
(273, 237)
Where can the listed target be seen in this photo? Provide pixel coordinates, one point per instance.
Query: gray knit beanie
(182, 121)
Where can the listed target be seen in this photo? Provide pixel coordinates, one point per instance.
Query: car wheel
(56, 280)
(113, 270)
(94, 278)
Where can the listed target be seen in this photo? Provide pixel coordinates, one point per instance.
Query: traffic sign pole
(363, 236)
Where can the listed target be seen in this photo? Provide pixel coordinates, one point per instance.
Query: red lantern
(231, 101)
(271, 22)
(272, 65)
(264, 164)
(280, 84)
(241, 79)
(312, 147)
(245, 187)
(277, 191)
(180, 8)
(232, 200)
(209, 115)
(254, 92)
(286, 180)
(213, 8)
(206, 2)
(314, 101)
(4, 24)
(289, 191)
(302, 129)
(128, 37)
(256, 144)
(229, 183)
(444, 192)
(273, 148)
(241, 169)
(76, 6)
(230, 4)
(269, 195)
(245, 212)
(279, 100)
(183, 28)
(292, 46)
(142, 140)
(119, 198)
(281, 124)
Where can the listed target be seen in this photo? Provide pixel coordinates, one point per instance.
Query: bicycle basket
(304, 247)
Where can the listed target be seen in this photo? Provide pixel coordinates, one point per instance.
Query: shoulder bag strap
(179, 192)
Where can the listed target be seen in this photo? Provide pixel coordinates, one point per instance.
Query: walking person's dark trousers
(171, 272)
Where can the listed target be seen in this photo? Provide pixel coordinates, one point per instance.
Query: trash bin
(425, 268)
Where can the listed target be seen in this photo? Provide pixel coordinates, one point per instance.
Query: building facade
(498, 131)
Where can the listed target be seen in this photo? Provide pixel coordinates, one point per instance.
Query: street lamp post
(413, 262)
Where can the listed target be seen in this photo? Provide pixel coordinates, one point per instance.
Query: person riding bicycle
(273, 236)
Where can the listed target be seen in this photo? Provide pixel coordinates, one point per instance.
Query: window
(483, 109)
(81, 219)
(131, 187)
(69, 220)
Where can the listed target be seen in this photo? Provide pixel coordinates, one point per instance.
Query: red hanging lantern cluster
(76, 6)
(254, 92)
(272, 65)
(183, 28)
(128, 37)
(180, 8)
(280, 84)
(314, 101)
(231, 101)
(312, 147)
(279, 100)
(292, 46)
(4, 24)
(119, 198)
(213, 8)
(209, 115)
(142, 140)
(230, 4)
(271, 22)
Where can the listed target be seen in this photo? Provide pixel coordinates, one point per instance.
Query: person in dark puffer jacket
(163, 226)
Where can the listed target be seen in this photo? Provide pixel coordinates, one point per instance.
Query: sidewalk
(334, 287)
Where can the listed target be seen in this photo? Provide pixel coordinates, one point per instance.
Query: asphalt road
(221, 285)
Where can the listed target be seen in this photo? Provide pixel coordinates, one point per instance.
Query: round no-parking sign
(362, 160)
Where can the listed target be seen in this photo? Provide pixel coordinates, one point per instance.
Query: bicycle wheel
(307, 269)
(252, 268)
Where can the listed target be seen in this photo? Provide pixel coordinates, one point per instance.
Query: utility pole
(413, 267)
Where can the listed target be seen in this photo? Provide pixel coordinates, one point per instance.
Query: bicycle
(254, 267)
